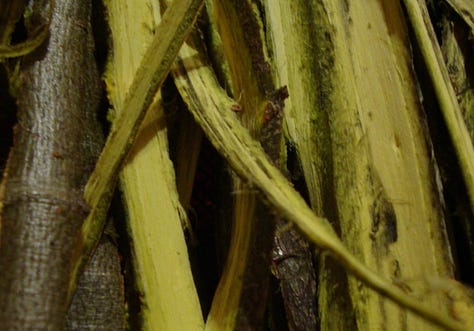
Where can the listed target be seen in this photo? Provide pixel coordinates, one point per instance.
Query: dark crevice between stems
(457, 210)
(7, 119)
(132, 293)
(210, 214)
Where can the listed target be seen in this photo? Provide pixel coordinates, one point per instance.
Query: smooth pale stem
(169, 36)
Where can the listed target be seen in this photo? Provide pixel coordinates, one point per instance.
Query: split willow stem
(212, 110)
(234, 142)
(169, 36)
(249, 160)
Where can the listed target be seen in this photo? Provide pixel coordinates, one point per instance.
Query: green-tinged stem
(169, 36)
(212, 111)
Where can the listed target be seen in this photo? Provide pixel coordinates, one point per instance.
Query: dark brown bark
(291, 255)
(293, 266)
(98, 303)
(55, 147)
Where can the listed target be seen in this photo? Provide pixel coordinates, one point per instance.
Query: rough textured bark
(55, 146)
(98, 303)
(291, 256)
(294, 269)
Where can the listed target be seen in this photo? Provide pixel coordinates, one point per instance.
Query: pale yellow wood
(379, 120)
(213, 112)
(169, 35)
(151, 73)
(154, 214)
(248, 159)
(154, 217)
(378, 141)
(295, 62)
(302, 55)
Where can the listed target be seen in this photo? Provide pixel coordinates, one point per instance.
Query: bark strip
(291, 256)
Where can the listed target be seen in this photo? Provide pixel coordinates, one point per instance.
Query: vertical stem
(55, 146)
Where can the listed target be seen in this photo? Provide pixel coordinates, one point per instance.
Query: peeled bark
(55, 147)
